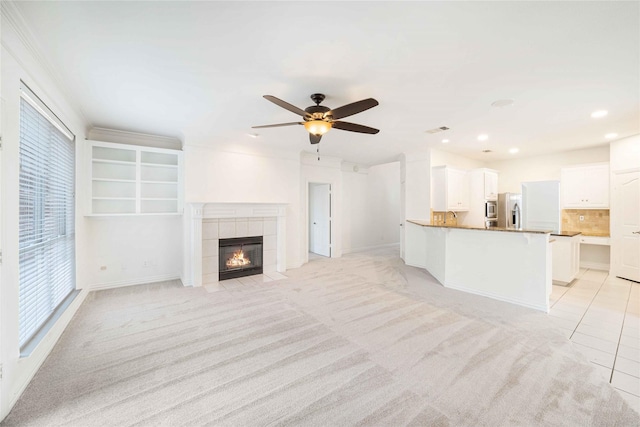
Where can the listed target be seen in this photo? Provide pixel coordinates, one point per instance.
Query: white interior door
(626, 225)
(320, 219)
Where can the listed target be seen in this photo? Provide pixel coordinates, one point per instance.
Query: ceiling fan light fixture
(317, 127)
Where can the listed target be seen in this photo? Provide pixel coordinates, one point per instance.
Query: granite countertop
(566, 233)
(466, 227)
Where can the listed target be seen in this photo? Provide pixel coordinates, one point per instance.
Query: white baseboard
(369, 248)
(131, 282)
(595, 265)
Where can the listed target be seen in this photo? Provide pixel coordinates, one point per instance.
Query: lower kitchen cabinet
(565, 258)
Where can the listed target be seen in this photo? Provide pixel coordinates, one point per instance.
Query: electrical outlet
(581, 218)
(145, 263)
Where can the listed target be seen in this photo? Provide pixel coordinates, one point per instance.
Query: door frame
(613, 261)
(333, 250)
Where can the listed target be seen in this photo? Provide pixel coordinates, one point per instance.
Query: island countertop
(466, 227)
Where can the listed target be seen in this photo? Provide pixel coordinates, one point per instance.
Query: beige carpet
(361, 340)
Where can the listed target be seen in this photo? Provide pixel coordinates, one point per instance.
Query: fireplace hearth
(240, 257)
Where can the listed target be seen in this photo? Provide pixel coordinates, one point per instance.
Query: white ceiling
(198, 70)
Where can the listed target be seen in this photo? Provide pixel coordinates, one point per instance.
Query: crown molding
(133, 138)
(12, 16)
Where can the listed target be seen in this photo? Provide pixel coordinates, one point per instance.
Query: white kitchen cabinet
(450, 189)
(565, 258)
(585, 186)
(490, 185)
(483, 186)
(134, 180)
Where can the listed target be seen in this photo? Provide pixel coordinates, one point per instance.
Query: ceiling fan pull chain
(318, 151)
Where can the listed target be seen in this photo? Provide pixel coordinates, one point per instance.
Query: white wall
(625, 154)
(513, 172)
(383, 188)
(214, 175)
(415, 178)
(19, 62)
(443, 158)
(133, 250)
(371, 207)
(355, 227)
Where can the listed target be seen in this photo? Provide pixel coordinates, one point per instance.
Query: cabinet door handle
(636, 232)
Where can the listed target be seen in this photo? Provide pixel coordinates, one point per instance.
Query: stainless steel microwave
(491, 209)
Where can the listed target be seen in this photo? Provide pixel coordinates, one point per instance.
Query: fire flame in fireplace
(238, 260)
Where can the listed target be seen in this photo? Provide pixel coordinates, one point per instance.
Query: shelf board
(114, 162)
(113, 198)
(159, 165)
(134, 214)
(113, 180)
(159, 182)
(159, 198)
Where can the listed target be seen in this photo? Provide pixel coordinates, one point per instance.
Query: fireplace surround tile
(210, 265)
(210, 222)
(227, 229)
(269, 243)
(210, 229)
(269, 260)
(242, 228)
(254, 227)
(210, 248)
(270, 227)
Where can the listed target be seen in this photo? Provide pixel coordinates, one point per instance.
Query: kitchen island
(501, 263)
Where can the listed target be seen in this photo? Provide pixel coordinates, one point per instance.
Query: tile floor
(600, 314)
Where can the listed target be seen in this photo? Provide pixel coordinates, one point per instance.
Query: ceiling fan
(319, 119)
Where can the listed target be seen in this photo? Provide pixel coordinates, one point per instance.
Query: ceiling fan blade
(352, 127)
(353, 108)
(286, 105)
(314, 138)
(277, 125)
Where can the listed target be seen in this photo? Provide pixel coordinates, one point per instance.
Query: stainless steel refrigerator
(509, 210)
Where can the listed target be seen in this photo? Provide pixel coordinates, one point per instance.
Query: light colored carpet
(361, 340)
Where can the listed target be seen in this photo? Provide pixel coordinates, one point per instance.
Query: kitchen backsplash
(595, 223)
(437, 218)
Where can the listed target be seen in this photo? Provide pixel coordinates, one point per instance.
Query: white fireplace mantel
(197, 212)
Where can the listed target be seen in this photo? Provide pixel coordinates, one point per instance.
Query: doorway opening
(320, 219)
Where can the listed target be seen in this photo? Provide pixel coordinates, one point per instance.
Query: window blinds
(47, 215)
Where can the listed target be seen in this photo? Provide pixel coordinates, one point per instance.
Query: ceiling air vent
(436, 130)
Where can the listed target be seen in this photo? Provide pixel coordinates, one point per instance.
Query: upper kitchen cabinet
(585, 186)
(134, 180)
(450, 189)
(484, 184)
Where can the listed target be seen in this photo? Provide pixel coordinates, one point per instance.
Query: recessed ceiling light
(599, 114)
(513, 150)
(502, 103)
(611, 135)
(253, 135)
(483, 137)
(445, 141)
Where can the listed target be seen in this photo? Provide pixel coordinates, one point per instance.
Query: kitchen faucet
(445, 216)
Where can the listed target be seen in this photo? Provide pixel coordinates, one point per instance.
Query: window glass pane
(47, 219)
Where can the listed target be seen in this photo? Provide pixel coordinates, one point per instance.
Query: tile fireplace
(209, 223)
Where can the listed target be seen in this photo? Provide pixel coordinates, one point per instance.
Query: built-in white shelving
(134, 180)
